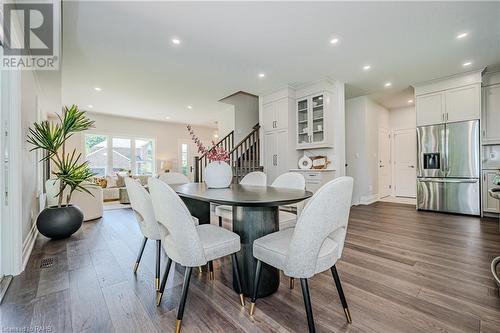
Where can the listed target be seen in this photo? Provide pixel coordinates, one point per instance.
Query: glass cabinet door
(302, 121)
(318, 123)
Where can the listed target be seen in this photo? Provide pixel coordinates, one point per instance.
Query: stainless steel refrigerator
(448, 168)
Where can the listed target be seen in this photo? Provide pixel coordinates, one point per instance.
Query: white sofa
(91, 206)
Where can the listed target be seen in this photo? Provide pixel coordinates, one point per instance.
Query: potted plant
(217, 173)
(63, 220)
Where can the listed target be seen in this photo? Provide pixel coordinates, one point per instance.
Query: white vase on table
(218, 174)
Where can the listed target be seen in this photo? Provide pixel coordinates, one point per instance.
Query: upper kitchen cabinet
(275, 115)
(314, 128)
(430, 109)
(491, 114)
(449, 100)
(463, 103)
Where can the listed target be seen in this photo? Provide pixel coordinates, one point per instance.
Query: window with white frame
(108, 154)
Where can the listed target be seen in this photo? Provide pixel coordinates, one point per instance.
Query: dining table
(255, 214)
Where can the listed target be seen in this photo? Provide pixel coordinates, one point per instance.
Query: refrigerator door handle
(447, 180)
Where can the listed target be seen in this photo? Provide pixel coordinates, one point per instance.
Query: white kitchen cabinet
(430, 109)
(491, 114)
(316, 178)
(452, 99)
(276, 147)
(463, 103)
(313, 120)
(275, 115)
(490, 205)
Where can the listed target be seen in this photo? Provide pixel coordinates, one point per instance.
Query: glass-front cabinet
(312, 121)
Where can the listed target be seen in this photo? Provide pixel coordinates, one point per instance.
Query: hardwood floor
(402, 271)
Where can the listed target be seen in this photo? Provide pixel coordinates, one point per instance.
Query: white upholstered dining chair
(313, 246)
(187, 244)
(144, 214)
(174, 178)
(291, 180)
(255, 178)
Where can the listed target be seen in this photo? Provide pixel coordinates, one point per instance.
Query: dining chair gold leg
(292, 283)
(236, 272)
(141, 251)
(255, 286)
(211, 270)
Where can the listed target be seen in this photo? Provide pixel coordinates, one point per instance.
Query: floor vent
(48, 262)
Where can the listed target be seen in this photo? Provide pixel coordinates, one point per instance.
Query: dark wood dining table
(255, 214)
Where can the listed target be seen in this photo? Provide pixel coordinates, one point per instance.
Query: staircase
(243, 158)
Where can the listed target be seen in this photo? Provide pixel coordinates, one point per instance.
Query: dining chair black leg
(307, 303)
(238, 280)
(341, 293)
(211, 270)
(256, 282)
(159, 294)
(220, 221)
(136, 265)
(158, 257)
(182, 304)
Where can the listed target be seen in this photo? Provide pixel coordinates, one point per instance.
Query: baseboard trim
(28, 244)
(368, 199)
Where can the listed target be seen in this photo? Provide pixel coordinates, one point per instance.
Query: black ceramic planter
(57, 223)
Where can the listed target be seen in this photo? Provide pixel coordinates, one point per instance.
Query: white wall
(166, 134)
(363, 120)
(30, 163)
(225, 121)
(402, 118)
(246, 114)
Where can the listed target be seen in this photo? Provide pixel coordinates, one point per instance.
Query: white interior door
(405, 154)
(186, 158)
(384, 162)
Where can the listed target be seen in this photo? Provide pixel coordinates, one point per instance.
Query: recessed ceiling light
(462, 35)
(97, 89)
(410, 101)
(467, 63)
(334, 40)
(167, 117)
(262, 75)
(387, 84)
(189, 107)
(90, 106)
(176, 41)
(367, 67)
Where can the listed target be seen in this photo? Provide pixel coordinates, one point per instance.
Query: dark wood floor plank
(88, 308)
(125, 309)
(402, 271)
(52, 312)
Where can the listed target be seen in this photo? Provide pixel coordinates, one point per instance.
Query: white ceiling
(125, 48)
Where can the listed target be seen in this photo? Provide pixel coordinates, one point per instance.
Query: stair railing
(245, 156)
(200, 162)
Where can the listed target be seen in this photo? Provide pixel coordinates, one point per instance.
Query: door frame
(395, 131)
(389, 132)
(11, 244)
(192, 146)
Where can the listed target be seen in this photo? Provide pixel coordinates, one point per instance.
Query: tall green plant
(496, 180)
(52, 138)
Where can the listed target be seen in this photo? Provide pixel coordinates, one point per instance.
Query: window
(108, 155)
(184, 159)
